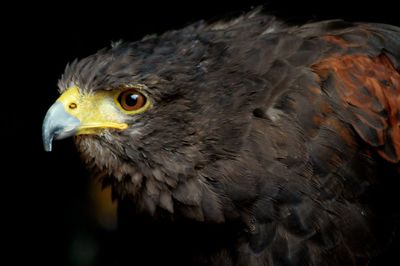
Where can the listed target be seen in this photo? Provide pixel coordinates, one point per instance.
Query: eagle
(244, 141)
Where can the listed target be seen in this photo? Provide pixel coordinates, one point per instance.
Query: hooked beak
(75, 114)
(58, 124)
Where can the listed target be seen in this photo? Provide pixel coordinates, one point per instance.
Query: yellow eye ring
(131, 101)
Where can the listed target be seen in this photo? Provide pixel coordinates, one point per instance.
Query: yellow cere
(94, 110)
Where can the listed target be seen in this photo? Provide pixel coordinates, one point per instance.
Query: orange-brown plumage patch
(336, 40)
(316, 90)
(341, 130)
(370, 88)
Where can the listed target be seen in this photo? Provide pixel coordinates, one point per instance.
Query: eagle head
(151, 116)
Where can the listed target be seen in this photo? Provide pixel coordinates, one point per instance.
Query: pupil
(131, 99)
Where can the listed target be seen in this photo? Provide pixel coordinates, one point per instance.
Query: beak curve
(58, 124)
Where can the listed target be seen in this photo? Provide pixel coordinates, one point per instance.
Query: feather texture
(267, 143)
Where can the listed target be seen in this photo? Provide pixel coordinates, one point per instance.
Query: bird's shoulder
(324, 129)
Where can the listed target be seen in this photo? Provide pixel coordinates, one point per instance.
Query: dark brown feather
(266, 145)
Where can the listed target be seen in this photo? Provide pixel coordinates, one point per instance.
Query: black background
(44, 194)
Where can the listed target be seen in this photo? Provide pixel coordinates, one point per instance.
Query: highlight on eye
(131, 100)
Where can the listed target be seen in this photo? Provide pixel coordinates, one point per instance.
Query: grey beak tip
(57, 124)
(48, 146)
(47, 139)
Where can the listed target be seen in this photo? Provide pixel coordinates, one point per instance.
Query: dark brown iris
(131, 100)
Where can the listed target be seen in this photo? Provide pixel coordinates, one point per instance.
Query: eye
(131, 100)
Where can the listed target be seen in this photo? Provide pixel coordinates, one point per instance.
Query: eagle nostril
(72, 105)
